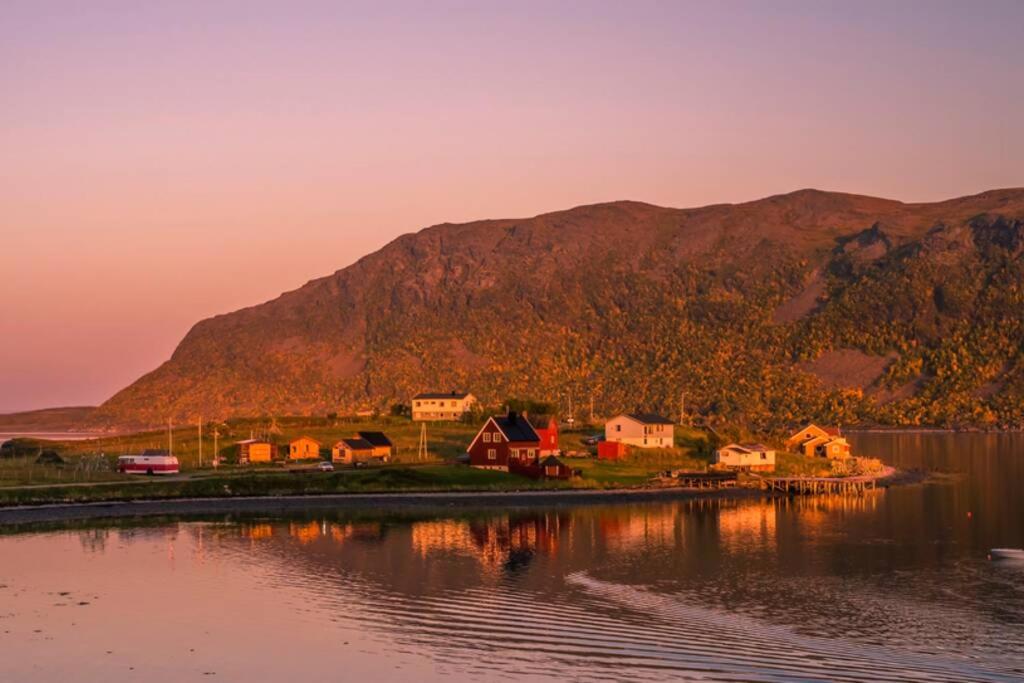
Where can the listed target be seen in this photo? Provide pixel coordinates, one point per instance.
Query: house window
(533, 452)
(492, 454)
(487, 437)
(764, 456)
(618, 428)
(497, 438)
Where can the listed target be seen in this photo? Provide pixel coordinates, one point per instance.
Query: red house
(503, 442)
(547, 430)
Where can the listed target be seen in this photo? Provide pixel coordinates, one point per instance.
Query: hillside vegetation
(812, 305)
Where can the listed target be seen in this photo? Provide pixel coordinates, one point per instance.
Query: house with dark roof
(382, 446)
(441, 406)
(504, 441)
(643, 430)
(352, 451)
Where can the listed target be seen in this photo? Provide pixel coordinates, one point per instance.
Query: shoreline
(393, 501)
(399, 500)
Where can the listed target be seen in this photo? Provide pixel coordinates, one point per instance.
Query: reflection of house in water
(256, 532)
(634, 528)
(94, 540)
(305, 532)
(506, 542)
(442, 536)
(747, 525)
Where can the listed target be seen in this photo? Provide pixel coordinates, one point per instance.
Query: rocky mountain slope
(812, 304)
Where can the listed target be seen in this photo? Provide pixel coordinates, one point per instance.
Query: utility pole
(421, 453)
(170, 437)
(591, 408)
(216, 458)
(200, 442)
(682, 408)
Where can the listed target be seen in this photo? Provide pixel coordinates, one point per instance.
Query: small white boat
(1007, 554)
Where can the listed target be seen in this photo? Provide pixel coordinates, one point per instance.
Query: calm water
(894, 586)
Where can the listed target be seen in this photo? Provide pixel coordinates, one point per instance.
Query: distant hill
(839, 307)
(47, 420)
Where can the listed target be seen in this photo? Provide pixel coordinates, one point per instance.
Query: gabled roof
(304, 438)
(516, 428)
(746, 447)
(542, 421)
(649, 419)
(458, 395)
(245, 441)
(356, 444)
(375, 438)
(550, 461)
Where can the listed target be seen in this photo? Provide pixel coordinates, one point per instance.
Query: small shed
(553, 468)
(611, 450)
(255, 450)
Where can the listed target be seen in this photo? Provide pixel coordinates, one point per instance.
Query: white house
(441, 406)
(747, 456)
(643, 430)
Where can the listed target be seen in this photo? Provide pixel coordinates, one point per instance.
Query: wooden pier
(703, 480)
(840, 486)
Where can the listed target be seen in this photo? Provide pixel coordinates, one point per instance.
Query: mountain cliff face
(812, 304)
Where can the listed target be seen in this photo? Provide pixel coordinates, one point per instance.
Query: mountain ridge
(437, 308)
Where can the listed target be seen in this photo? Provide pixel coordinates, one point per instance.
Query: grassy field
(92, 463)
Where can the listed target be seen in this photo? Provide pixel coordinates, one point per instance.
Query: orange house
(304, 448)
(823, 442)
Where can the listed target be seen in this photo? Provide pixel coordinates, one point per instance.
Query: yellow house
(304, 448)
(255, 450)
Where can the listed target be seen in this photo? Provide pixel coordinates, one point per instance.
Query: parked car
(325, 466)
(593, 439)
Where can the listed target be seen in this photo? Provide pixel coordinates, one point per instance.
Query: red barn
(547, 430)
(504, 441)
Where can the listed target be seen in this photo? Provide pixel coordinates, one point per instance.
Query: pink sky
(161, 164)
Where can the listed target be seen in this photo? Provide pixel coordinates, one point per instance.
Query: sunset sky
(164, 162)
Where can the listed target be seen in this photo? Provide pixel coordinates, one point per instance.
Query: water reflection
(889, 585)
